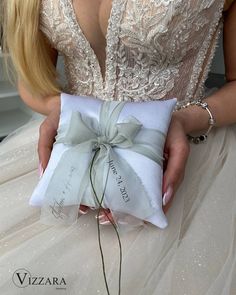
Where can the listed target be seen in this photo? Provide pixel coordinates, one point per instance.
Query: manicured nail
(167, 195)
(40, 170)
(101, 216)
(83, 212)
(104, 222)
(103, 219)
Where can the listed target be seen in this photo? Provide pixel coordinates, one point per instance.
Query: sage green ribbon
(70, 184)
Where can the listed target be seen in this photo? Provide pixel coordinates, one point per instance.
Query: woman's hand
(176, 153)
(47, 133)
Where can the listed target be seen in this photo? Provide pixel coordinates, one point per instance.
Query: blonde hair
(28, 48)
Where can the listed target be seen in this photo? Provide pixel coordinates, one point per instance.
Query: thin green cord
(99, 233)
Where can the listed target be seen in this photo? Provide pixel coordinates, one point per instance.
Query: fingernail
(101, 215)
(103, 219)
(40, 170)
(83, 212)
(104, 222)
(167, 195)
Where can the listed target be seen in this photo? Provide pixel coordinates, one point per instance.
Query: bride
(124, 50)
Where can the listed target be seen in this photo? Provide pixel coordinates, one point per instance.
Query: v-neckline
(88, 48)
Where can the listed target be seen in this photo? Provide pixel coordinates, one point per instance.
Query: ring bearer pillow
(109, 154)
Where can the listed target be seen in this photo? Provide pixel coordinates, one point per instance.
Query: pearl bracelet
(212, 122)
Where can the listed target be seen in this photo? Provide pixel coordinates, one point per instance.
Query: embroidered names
(57, 209)
(119, 182)
(58, 206)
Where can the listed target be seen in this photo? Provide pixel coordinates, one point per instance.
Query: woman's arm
(43, 105)
(223, 102)
(193, 118)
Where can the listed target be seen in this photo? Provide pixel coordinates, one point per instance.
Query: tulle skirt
(194, 255)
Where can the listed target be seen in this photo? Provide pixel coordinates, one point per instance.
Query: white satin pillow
(153, 115)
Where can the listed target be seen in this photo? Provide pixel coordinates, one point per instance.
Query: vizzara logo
(22, 278)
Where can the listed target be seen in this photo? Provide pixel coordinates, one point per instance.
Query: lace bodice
(155, 49)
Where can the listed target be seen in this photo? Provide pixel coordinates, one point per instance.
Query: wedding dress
(155, 50)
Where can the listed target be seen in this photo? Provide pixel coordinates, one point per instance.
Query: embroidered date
(119, 182)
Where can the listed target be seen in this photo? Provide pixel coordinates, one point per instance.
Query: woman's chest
(146, 42)
(92, 17)
(140, 16)
(156, 26)
(144, 22)
(162, 30)
(140, 19)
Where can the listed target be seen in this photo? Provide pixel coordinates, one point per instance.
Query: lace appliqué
(145, 71)
(155, 49)
(157, 39)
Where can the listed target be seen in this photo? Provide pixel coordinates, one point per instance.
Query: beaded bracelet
(212, 122)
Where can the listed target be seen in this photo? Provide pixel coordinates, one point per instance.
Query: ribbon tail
(63, 195)
(125, 191)
(100, 174)
(87, 198)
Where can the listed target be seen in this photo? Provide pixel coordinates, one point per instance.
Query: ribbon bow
(124, 192)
